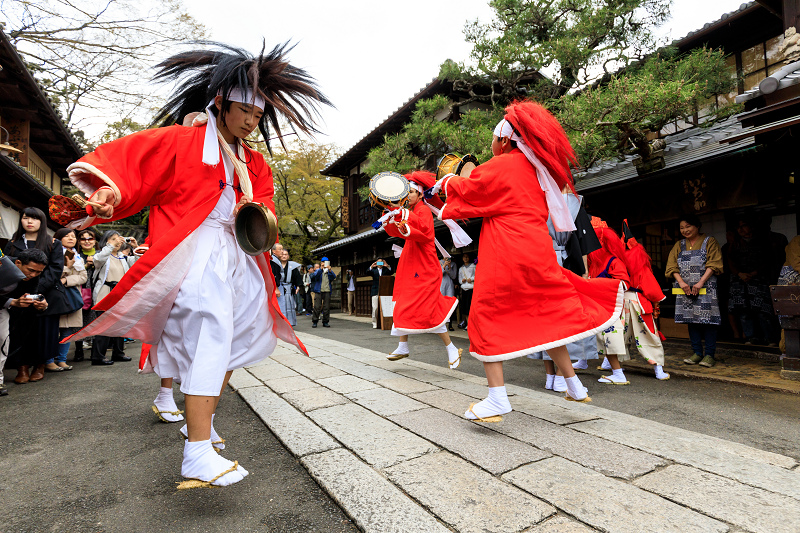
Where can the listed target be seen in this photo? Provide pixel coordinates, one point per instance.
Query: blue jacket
(316, 279)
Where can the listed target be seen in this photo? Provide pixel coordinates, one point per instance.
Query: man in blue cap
(321, 283)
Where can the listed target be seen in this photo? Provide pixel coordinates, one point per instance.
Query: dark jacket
(49, 282)
(316, 279)
(376, 281)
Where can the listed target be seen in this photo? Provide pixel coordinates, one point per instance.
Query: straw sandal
(455, 363)
(173, 413)
(571, 399)
(397, 356)
(197, 484)
(609, 380)
(491, 419)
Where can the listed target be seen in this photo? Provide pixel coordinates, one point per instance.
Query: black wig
(289, 92)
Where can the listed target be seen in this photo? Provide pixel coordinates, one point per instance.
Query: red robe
(648, 292)
(163, 168)
(419, 305)
(523, 302)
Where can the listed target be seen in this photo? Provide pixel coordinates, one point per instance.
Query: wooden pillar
(19, 137)
(791, 14)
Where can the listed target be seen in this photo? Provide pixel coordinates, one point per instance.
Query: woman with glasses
(87, 240)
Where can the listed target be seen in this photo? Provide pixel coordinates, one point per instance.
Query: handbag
(86, 295)
(74, 299)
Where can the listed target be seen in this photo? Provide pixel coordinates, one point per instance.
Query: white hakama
(220, 319)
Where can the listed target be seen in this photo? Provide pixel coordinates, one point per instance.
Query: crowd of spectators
(62, 277)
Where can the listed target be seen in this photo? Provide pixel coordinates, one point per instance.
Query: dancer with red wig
(514, 192)
(419, 305)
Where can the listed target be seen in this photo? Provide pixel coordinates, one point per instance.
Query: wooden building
(31, 124)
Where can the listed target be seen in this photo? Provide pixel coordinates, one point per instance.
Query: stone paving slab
(273, 370)
(314, 370)
(340, 362)
(447, 400)
(473, 390)
(748, 507)
(291, 359)
(466, 497)
(392, 366)
(421, 374)
(374, 504)
(346, 384)
(556, 414)
(385, 402)
(623, 508)
(376, 440)
(607, 457)
(560, 524)
(284, 385)
(294, 430)
(315, 398)
(488, 449)
(241, 378)
(670, 436)
(372, 373)
(406, 385)
(698, 454)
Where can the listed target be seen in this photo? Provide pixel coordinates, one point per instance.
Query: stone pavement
(764, 373)
(388, 441)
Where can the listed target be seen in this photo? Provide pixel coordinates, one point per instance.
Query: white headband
(559, 212)
(504, 129)
(211, 144)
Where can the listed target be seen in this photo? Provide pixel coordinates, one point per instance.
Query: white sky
(370, 56)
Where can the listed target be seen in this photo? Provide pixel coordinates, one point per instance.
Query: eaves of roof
(785, 77)
(695, 35)
(35, 91)
(347, 240)
(684, 148)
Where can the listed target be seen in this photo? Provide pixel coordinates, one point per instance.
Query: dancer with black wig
(202, 304)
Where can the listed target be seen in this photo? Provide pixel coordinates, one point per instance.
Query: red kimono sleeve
(650, 287)
(419, 225)
(618, 271)
(137, 167)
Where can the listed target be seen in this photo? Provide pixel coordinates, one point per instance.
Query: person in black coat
(24, 322)
(376, 270)
(32, 233)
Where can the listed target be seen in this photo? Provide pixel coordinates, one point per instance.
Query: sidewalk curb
(643, 368)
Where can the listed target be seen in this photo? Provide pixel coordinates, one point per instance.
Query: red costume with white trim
(162, 168)
(419, 305)
(523, 301)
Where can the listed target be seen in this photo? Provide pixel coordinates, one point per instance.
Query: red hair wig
(544, 135)
(611, 246)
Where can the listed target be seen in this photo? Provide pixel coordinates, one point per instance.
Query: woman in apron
(694, 263)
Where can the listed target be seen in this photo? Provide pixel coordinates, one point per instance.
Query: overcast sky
(371, 56)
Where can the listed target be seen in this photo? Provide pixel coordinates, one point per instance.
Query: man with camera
(20, 304)
(376, 270)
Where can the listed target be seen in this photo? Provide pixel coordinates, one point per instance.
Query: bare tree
(93, 54)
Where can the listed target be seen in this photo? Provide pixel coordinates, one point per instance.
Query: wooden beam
(773, 6)
(791, 14)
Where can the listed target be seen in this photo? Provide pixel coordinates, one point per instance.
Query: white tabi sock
(605, 365)
(575, 388)
(580, 364)
(200, 461)
(165, 402)
(402, 347)
(559, 385)
(617, 376)
(216, 440)
(548, 384)
(660, 374)
(452, 355)
(495, 404)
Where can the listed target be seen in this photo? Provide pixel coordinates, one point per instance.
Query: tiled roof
(688, 146)
(785, 77)
(723, 19)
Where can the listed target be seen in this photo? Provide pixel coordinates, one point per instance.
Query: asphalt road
(760, 418)
(82, 451)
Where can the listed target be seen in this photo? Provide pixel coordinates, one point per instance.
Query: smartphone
(36, 297)
(69, 254)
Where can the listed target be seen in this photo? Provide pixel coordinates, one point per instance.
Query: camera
(36, 297)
